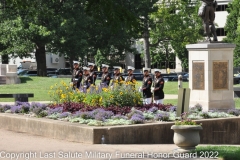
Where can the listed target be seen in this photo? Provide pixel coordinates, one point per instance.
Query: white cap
(157, 70)
(86, 68)
(146, 69)
(91, 64)
(130, 67)
(76, 62)
(117, 67)
(104, 65)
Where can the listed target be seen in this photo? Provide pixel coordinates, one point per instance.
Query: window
(138, 61)
(221, 32)
(222, 7)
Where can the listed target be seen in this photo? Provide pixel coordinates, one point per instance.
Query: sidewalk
(12, 142)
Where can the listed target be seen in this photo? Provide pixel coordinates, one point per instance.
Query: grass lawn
(40, 87)
(37, 85)
(224, 152)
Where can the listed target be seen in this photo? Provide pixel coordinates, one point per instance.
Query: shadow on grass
(25, 79)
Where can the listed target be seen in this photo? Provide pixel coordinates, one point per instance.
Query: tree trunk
(41, 59)
(147, 52)
(5, 59)
(71, 59)
(167, 59)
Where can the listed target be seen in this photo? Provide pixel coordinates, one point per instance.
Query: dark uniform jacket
(106, 78)
(76, 78)
(94, 76)
(146, 87)
(158, 88)
(130, 78)
(87, 81)
(117, 79)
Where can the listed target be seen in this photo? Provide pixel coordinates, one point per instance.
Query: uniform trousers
(147, 100)
(159, 101)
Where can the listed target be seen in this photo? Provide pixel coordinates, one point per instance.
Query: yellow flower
(111, 96)
(121, 93)
(63, 96)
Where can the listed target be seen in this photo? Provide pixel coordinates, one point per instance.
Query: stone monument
(8, 74)
(207, 13)
(211, 75)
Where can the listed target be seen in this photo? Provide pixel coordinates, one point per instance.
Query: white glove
(152, 89)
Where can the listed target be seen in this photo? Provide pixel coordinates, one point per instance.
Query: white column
(211, 75)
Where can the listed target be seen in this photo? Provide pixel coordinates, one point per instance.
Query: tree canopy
(87, 29)
(176, 25)
(232, 28)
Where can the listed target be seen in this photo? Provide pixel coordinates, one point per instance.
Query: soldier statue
(207, 13)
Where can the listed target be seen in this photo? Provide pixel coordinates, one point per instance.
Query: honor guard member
(106, 77)
(92, 72)
(158, 87)
(117, 78)
(146, 86)
(130, 77)
(87, 79)
(76, 75)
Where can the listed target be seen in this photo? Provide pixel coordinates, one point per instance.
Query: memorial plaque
(198, 76)
(220, 75)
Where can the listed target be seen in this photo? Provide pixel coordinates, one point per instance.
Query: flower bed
(120, 94)
(102, 116)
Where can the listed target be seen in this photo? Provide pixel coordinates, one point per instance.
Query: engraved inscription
(198, 75)
(220, 75)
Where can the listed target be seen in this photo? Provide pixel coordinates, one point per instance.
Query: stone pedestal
(211, 75)
(3, 69)
(8, 74)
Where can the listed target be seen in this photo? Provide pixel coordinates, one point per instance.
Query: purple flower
(76, 114)
(233, 112)
(86, 115)
(15, 109)
(37, 108)
(5, 107)
(102, 115)
(196, 108)
(137, 118)
(18, 103)
(164, 116)
(153, 109)
(64, 115)
(55, 110)
(172, 108)
(25, 107)
(35, 105)
(205, 115)
(118, 116)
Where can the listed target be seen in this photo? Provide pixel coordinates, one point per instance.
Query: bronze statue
(207, 13)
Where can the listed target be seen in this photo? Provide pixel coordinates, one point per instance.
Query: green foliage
(122, 95)
(232, 28)
(63, 92)
(221, 152)
(176, 25)
(99, 58)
